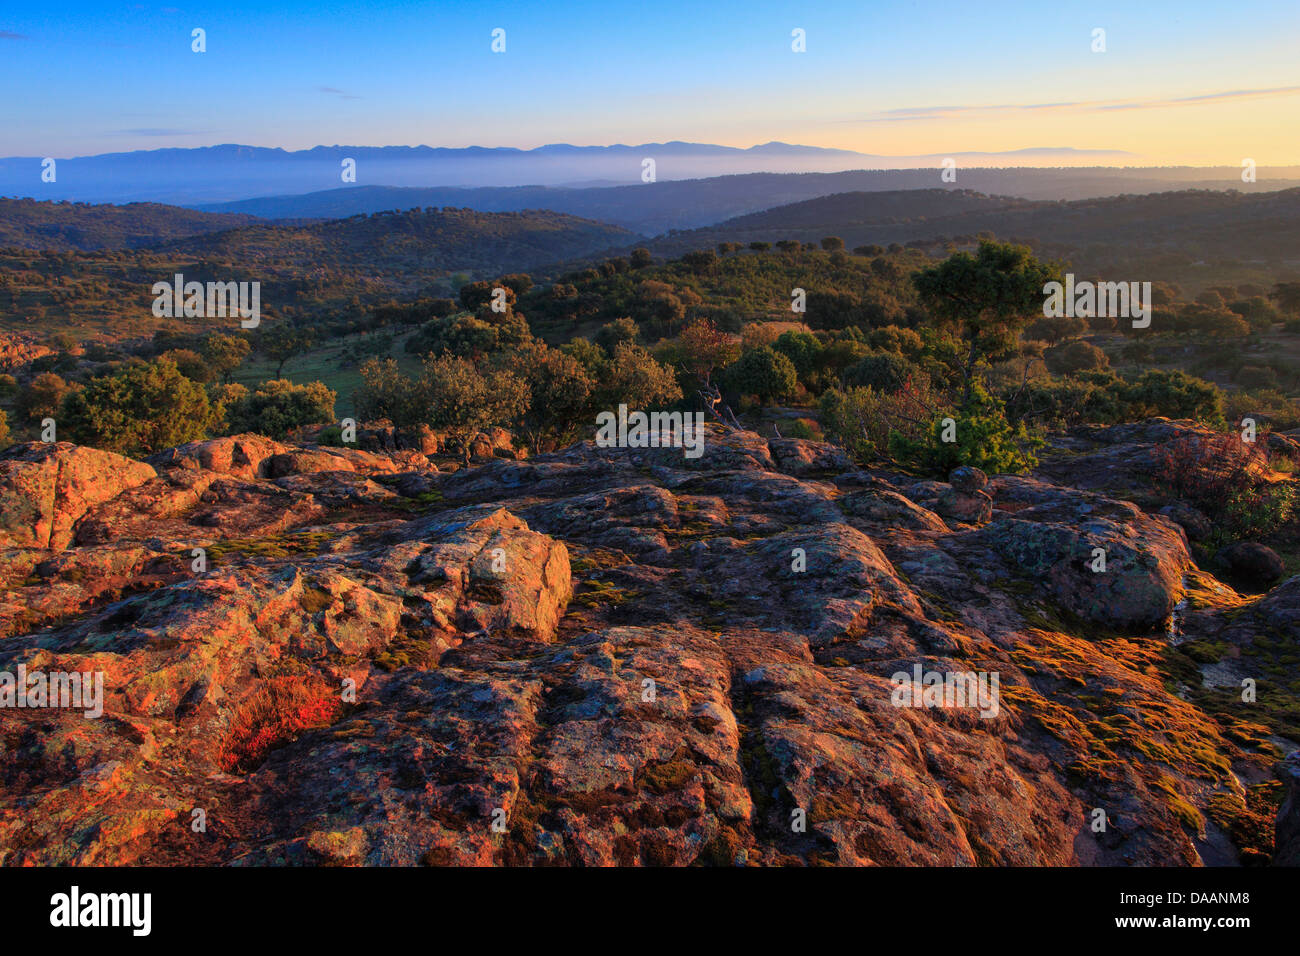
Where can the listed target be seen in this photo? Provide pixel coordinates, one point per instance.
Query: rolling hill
(63, 226)
(655, 208)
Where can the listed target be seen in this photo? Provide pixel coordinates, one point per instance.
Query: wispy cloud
(918, 113)
(6, 35)
(335, 92)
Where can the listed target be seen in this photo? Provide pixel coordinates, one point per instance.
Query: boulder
(968, 479)
(1254, 566)
(45, 489)
(974, 507)
(239, 456)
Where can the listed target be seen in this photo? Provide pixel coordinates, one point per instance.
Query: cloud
(339, 93)
(6, 35)
(916, 113)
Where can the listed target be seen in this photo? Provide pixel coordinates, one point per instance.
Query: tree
(641, 258)
(385, 392)
(703, 348)
(41, 398)
(191, 364)
(632, 377)
(831, 243)
(1077, 356)
(763, 372)
(139, 409)
(1056, 329)
(802, 349)
(4, 429)
(560, 390)
(1287, 297)
(224, 354)
(986, 297)
(611, 334)
(982, 437)
(462, 401)
(277, 407)
(282, 342)
(886, 372)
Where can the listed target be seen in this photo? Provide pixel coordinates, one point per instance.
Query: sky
(1186, 83)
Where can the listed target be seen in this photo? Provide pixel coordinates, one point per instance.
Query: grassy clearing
(337, 363)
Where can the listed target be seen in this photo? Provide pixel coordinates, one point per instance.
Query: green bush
(139, 409)
(763, 372)
(277, 407)
(883, 371)
(981, 436)
(1072, 357)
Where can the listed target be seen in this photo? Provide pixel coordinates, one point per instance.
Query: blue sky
(1179, 82)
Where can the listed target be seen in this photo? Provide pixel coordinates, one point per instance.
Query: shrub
(385, 392)
(139, 409)
(609, 335)
(883, 371)
(634, 378)
(1229, 480)
(763, 372)
(191, 364)
(1072, 357)
(864, 421)
(981, 436)
(42, 397)
(277, 407)
(1173, 395)
(1255, 376)
(802, 349)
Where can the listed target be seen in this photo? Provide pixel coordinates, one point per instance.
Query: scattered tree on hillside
(987, 297)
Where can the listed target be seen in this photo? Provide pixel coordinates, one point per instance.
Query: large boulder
(1250, 565)
(1062, 536)
(239, 456)
(46, 488)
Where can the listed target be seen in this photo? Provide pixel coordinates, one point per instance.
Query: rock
(797, 456)
(974, 507)
(17, 350)
(1287, 844)
(1191, 519)
(1146, 556)
(627, 656)
(968, 479)
(304, 462)
(46, 488)
(1254, 566)
(240, 456)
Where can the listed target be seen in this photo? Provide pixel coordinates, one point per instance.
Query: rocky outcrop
(1101, 560)
(45, 489)
(611, 656)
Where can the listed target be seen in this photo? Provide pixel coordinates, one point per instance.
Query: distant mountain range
(230, 172)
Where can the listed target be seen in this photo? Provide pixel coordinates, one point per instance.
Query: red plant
(1209, 469)
(281, 709)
